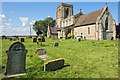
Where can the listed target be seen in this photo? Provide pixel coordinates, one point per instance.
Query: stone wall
(84, 31)
(111, 32)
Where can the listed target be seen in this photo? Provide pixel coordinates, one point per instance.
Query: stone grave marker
(78, 39)
(54, 64)
(10, 39)
(43, 39)
(56, 44)
(40, 51)
(16, 59)
(34, 40)
(22, 40)
(39, 39)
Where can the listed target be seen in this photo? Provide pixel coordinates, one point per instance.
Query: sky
(17, 17)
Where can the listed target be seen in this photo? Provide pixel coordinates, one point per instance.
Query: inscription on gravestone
(16, 59)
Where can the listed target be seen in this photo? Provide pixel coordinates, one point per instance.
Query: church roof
(89, 18)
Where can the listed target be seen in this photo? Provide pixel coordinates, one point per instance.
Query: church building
(96, 25)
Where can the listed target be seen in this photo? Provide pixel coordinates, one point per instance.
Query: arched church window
(59, 9)
(106, 24)
(66, 13)
(88, 30)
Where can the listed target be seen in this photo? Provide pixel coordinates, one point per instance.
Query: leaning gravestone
(16, 59)
(54, 64)
(56, 44)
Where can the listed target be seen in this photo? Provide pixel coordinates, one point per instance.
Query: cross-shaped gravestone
(16, 59)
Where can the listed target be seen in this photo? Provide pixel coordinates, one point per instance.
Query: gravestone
(54, 64)
(79, 39)
(43, 39)
(34, 40)
(16, 59)
(10, 39)
(40, 51)
(22, 40)
(56, 44)
(39, 39)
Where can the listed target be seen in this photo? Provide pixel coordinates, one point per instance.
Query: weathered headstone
(16, 59)
(40, 51)
(22, 40)
(54, 64)
(56, 44)
(34, 40)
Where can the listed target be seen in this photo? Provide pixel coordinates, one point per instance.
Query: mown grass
(85, 59)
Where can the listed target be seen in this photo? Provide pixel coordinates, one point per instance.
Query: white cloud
(2, 16)
(9, 29)
(32, 22)
(24, 21)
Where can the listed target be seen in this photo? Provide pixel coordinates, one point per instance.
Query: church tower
(63, 11)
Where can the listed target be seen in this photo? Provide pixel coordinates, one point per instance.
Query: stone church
(96, 25)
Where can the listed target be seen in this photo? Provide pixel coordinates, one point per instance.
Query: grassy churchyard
(84, 59)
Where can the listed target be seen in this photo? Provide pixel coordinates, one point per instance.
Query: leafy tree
(41, 26)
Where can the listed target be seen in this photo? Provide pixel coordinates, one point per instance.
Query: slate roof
(53, 30)
(89, 18)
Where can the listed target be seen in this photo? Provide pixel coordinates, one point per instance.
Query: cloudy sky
(17, 17)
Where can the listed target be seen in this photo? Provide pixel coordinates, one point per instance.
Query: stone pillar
(114, 29)
(63, 34)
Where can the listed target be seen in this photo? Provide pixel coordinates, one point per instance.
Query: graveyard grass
(85, 59)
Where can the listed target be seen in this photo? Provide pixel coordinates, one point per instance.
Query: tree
(41, 26)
